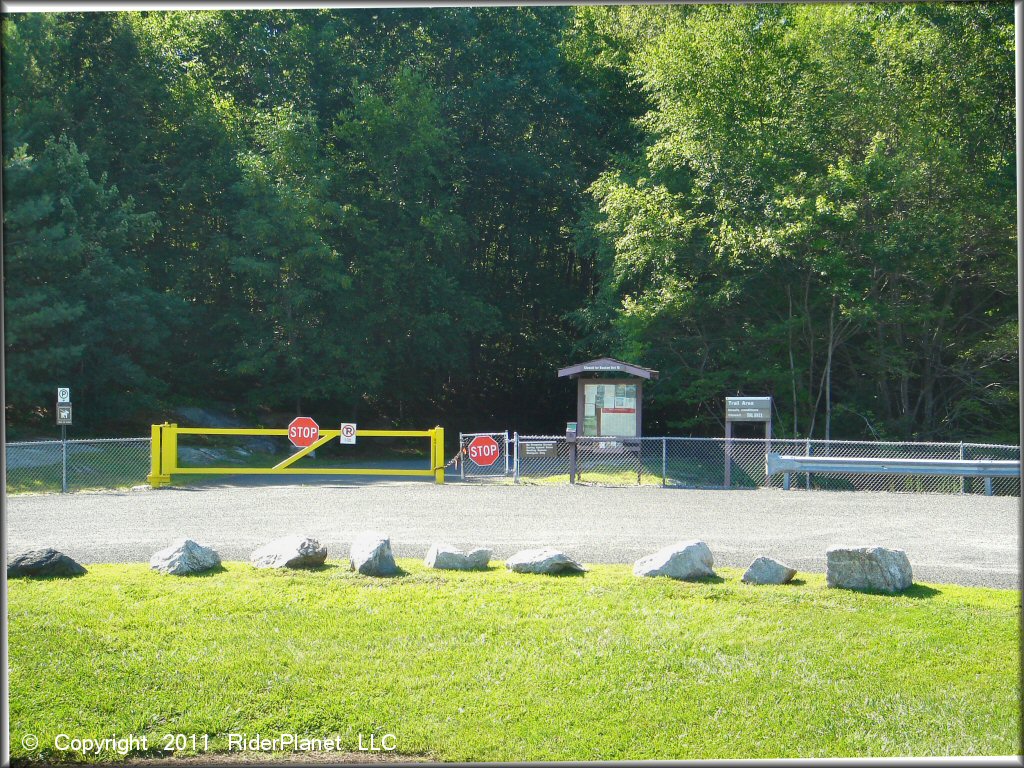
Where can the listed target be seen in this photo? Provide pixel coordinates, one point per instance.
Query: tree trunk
(792, 364)
(828, 370)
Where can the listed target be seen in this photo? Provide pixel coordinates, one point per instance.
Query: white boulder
(545, 560)
(764, 570)
(289, 552)
(183, 557)
(447, 557)
(685, 560)
(870, 568)
(371, 555)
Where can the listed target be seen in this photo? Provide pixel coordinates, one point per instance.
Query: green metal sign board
(748, 409)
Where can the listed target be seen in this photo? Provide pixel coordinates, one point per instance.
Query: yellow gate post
(437, 443)
(169, 441)
(158, 474)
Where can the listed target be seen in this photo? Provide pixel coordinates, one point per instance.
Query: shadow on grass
(914, 592)
(795, 582)
(450, 571)
(216, 570)
(286, 569)
(920, 592)
(397, 574)
(320, 568)
(45, 576)
(566, 574)
(716, 579)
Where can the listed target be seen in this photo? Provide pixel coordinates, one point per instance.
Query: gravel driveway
(969, 540)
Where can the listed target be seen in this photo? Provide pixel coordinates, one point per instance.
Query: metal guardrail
(984, 468)
(712, 463)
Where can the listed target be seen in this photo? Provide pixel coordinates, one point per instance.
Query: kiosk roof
(608, 365)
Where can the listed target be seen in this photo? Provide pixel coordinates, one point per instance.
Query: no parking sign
(348, 434)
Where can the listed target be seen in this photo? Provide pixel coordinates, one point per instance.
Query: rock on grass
(868, 568)
(43, 562)
(184, 557)
(289, 552)
(546, 560)
(686, 560)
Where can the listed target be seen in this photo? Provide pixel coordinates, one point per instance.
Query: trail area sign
(483, 450)
(748, 409)
(303, 431)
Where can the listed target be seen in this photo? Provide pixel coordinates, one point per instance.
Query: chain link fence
(492, 455)
(75, 465)
(702, 462)
(541, 459)
(685, 462)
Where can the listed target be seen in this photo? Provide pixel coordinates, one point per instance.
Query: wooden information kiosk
(609, 396)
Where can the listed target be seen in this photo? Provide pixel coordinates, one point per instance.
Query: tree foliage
(823, 211)
(417, 215)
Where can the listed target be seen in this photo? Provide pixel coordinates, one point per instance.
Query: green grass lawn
(502, 666)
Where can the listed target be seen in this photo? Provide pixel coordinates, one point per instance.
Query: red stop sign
(483, 450)
(303, 431)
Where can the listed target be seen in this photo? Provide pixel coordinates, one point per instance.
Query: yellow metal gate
(165, 454)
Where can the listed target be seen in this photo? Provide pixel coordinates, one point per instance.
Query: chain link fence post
(807, 475)
(573, 463)
(962, 483)
(63, 459)
(664, 462)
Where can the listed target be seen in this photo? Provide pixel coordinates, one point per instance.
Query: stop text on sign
(483, 450)
(303, 431)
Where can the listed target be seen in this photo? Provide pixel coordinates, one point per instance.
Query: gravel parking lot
(970, 540)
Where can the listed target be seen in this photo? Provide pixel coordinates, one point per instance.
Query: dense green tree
(818, 215)
(417, 215)
(76, 309)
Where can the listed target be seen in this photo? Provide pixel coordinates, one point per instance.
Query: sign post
(63, 420)
(570, 439)
(749, 409)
